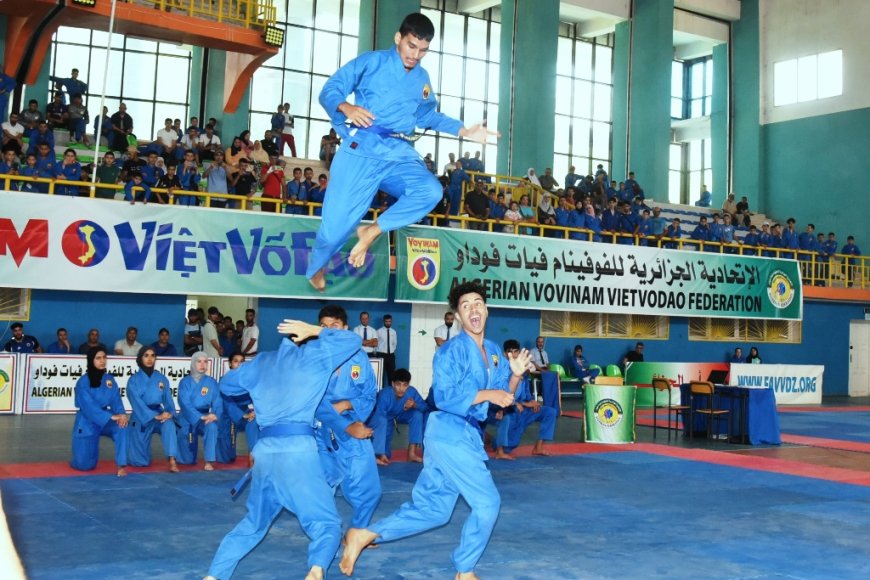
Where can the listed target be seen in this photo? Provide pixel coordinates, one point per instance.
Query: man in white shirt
(368, 334)
(13, 134)
(250, 334)
(211, 345)
(209, 144)
(128, 346)
(164, 143)
(447, 330)
(540, 358)
(387, 340)
(287, 131)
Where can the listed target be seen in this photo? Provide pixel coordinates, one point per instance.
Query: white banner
(7, 383)
(51, 379)
(791, 384)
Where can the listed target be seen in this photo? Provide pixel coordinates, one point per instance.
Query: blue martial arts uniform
(519, 421)
(347, 461)
(71, 172)
(149, 397)
(454, 462)
(196, 399)
(231, 422)
(378, 157)
(96, 405)
(286, 386)
(390, 408)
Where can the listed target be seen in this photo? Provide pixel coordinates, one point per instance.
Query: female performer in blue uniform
(343, 439)
(393, 96)
(469, 374)
(100, 413)
(238, 415)
(201, 405)
(286, 386)
(153, 410)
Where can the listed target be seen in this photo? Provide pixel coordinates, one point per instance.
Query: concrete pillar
(747, 145)
(719, 127)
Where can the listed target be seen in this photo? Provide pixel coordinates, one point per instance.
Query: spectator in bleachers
(247, 143)
(329, 144)
(830, 246)
(715, 231)
(165, 144)
(132, 164)
(744, 216)
(532, 177)
(78, 120)
(513, 215)
(572, 177)
(548, 182)
(10, 165)
(268, 146)
(93, 341)
(318, 193)
(823, 259)
(765, 238)
(70, 170)
(287, 131)
(42, 134)
(612, 190)
(632, 187)
(497, 207)
(563, 212)
(235, 152)
(151, 171)
(625, 195)
(128, 346)
(658, 224)
(216, 174)
(701, 231)
(277, 123)
(753, 357)
(477, 206)
(675, 232)
(599, 170)
(458, 177)
(72, 85)
(737, 357)
(103, 126)
(137, 190)
(162, 346)
(20, 342)
(750, 242)
(628, 223)
(31, 170)
(527, 213)
(297, 190)
(170, 182)
(610, 217)
(31, 117)
(638, 205)
(851, 264)
(599, 192)
(62, 345)
(430, 164)
(790, 239)
(546, 212)
(776, 240)
(122, 128)
(189, 178)
(643, 230)
(244, 181)
(729, 206)
(13, 134)
(727, 232)
(209, 144)
(706, 198)
(56, 113)
(450, 165)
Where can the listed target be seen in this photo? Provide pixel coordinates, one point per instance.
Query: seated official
(150, 396)
(238, 415)
(403, 404)
(581, 368)
(100, 414)
(201, 406)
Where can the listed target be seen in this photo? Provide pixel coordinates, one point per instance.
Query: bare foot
(316, 573)
(357, 539)
(538, 449)
(466, 576)
(208, 467)
(367, 235)
(382, 460)
(173, 466)
(250, 461)
(318, 281)
(122, 472)
(501, 454)
(414, 458)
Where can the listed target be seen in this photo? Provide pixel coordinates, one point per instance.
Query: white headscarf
(532, 177)
(545, 205)
(194, 374)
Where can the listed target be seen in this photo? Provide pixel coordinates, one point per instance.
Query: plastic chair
(600, 371)
(613, 371)
(660, 385)
(559, 370)
(706, 391)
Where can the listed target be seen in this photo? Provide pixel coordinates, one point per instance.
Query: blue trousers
(382, 425)
(354, 181)
(353, 469)
(139, 440)
(228, 437)
(450, 469)
(86, 443)
(188, 441)
(287, 475)
(519, 422)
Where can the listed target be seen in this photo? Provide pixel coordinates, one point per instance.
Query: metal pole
(99, 126)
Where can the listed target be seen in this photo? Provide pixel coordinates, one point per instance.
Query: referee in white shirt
(368, 334)
(387, 339)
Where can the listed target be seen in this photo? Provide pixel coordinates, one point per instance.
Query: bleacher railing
(247, 13)
(838, 270)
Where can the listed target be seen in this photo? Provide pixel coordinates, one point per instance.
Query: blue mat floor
(610, 515)
(848, 426)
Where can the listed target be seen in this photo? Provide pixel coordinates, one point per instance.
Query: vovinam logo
(780, 290)
(424, 262)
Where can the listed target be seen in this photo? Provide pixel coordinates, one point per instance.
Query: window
(155, 82)
(809, 78)
(14, 304)
(321, 35)
(463, 64)
(691, 168)
(599, 325)
(584, 116)
(754, 330)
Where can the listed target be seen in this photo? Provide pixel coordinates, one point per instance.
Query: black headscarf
(142, 351)
(95, 375)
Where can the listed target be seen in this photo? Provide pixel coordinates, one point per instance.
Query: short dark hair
(250, 310)
(61, 328)
(16, 325)
(333, 311)
(465, 288)
(578, 346)
(162, 330)
(129, 328)
(388, 316)
(402, 375)
(213, 310)
(418, 25)
(511, 344)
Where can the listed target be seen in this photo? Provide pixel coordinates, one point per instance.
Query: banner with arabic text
(91, 244)
(568, 275)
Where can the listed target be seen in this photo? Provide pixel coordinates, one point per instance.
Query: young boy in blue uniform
(403, 404)
(239, 415)
(527, 411)
(201, 406)
(469, 373)
(286, 386)
(393, 96)
(343, 439)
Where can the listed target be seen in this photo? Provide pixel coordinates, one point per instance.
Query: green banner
(569, 275)
(92, 244)
(609, 413)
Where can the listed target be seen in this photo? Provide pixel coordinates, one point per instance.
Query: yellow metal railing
(839, 270)
(247, 13)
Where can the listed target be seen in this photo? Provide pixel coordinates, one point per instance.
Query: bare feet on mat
(316, 573)
(466, 576)
(382, 460)
(122, 472)
(208, 467)
(357, 539)
(501, 454)
(538, 449)
(367, 235)
(173, 466)
(318, 281)
(413, 455)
